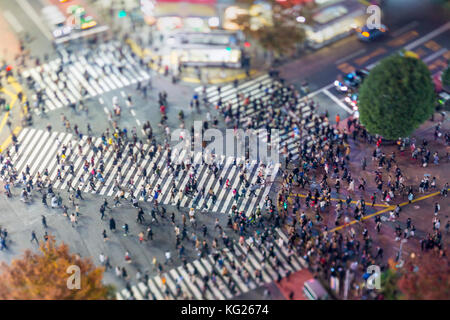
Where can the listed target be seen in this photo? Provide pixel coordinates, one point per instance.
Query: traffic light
(247, 44)
(285, 205)
(228, 48)
(122, 14)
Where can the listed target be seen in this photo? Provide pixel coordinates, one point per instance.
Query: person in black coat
(112, 224)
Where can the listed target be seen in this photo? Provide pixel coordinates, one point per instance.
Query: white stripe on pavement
(338, 102)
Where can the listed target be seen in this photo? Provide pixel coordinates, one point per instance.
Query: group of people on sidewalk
(323, 170)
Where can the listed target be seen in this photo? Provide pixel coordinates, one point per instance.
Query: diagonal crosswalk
(57, 152)
(85, 74)
(270, 104)
(228, 273)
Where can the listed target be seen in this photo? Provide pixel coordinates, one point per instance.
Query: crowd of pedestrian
(321, 171)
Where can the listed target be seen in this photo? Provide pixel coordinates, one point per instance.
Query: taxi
(366, 34)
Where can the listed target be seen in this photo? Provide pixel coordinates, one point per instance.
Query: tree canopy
(425, 277)
(43, 275)
(396, 97)
(389, 288)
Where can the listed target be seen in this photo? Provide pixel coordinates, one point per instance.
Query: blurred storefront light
(213, 22)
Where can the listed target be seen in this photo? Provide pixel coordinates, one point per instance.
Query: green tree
(397, 97)
(280, 35)
(389, 280)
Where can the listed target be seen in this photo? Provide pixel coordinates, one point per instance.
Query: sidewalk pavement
(292, 287)
(420, 211)
(9, 44)
(11, 121)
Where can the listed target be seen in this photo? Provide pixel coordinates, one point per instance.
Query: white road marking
(435, 55)
(133, 113)
(405, 28)
(101, 101)
(13, 21)
(312, 94)
(33, 15)
(106, 110)
(429, 36)
(411, 46)
(138, 122)
(351, 56)
(370, 66)
(338, 102)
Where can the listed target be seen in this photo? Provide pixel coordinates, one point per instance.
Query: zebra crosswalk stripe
(189, 283)
(101, 66)
(40, 149)
(251, 88)
(154, 290)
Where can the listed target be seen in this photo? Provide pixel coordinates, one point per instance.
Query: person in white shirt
(101, 257)
(168, 256)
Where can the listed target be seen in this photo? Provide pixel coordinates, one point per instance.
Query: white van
(313, 290)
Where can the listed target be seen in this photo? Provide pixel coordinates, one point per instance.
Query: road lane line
(33, 15)
(334, 199)
(364, 59)
(432, 45)
(13, 21)
(400, 41)
(386, 210)
(407, 27)
(420, 52)
(429, 36)
(435, 55)
(346, 67)
(338, 102)
(8, 140)
(312, 94)
(344, 59)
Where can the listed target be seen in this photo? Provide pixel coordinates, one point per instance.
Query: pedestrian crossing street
(93, 71)
(182, 278)
(39, 149)
(297, 126)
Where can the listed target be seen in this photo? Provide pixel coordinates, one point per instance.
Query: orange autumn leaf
(43, 275)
